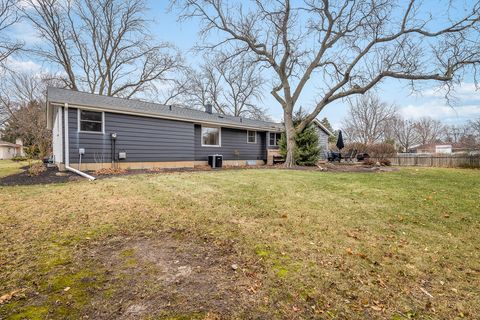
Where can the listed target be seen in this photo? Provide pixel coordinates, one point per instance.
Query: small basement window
(90, 121)
(211, 137)
(274, 138)
(251, 136)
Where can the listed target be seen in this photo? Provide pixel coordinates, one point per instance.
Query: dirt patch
(169, 277)
(51, 175)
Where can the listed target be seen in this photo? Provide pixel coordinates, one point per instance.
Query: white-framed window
(211, 136)
(91, 121)
(251, 136)
(273, 138)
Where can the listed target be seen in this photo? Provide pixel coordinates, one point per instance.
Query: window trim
(248, 132)
(219, 137)
(79, 110)
(276, 133)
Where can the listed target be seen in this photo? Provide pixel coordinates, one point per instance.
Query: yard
(258, 243)
(11, 167)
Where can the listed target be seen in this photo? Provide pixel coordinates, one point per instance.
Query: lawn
(8, 167)
(258, 243)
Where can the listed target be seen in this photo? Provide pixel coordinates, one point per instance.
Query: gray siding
(144, 139)
(322, 142)
(232, 140)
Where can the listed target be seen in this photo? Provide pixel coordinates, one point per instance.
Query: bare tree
(368, 119)
(102, 46)
(475, 127)
(8, 17)
(232, 86)
(22, 110)
(344, 47)
(429, 130)
(404, 131)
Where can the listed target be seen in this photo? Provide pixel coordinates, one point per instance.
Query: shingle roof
(8, 144)
(77, 98)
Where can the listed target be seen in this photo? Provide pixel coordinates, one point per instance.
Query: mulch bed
(51, 175)
(47, 177)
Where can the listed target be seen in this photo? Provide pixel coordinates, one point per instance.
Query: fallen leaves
(8, 296)
(426, 292)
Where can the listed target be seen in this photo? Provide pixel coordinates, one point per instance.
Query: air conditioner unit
(215, 161)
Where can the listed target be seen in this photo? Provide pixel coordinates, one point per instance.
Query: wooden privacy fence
(435, 160)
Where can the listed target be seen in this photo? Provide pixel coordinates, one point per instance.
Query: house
(10, 150)
(439, 148)
(323, 135)
(91, 131)
(103, 131)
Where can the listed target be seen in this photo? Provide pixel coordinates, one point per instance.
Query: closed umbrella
(340, 144)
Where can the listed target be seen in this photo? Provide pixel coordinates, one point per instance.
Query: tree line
(341, 49)
(372, 121)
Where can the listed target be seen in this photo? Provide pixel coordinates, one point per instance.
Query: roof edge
(318, 123)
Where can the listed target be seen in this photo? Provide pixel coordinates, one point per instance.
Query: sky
(427, 102)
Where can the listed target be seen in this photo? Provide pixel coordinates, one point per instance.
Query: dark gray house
(92, 131)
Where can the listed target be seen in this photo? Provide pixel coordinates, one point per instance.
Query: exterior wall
(232, 140)
(322, 142)
(8, 152)
(143, 139)
(149, 142)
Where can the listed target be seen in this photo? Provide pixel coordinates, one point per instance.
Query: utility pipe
(67, 151)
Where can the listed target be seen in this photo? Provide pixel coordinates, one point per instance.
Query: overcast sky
(427, 102)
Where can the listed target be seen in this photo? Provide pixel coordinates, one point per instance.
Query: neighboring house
(91, 131)
(10, 150)
(438, 148)
(323, 135)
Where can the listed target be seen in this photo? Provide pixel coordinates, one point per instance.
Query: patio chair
(334, 156)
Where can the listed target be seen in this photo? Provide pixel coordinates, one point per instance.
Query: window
(274, 138)
(211, 137)
(251, 136)
(90, 121)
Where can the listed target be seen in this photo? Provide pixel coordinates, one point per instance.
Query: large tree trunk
(291, 145)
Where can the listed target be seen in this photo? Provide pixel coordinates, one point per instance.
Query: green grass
(9, 167)
(330, 245)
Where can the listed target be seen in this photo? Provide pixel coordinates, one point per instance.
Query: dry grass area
(244, 244)
(8, 167)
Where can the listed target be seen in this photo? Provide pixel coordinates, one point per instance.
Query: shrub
(307, 151)
(19, 158)
(385, 162)
(360, 147)
(368, 162)
(36, 169)
(32, 151)
(381, 150)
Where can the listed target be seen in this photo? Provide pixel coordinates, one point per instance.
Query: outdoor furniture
(334, 156)
(278, 159)
(362, 156)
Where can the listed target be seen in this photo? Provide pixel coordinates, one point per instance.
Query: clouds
(24, 66)
(432, 103)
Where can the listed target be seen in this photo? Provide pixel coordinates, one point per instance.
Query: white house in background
(10, 150)
(443, 148)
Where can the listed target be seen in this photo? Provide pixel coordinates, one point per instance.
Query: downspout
(67, 151)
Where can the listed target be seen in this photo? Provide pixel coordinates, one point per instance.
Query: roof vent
(208, 108)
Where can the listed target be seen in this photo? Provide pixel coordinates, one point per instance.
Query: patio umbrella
(340, 144)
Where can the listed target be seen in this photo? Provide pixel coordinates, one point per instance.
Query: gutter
(67, 151)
